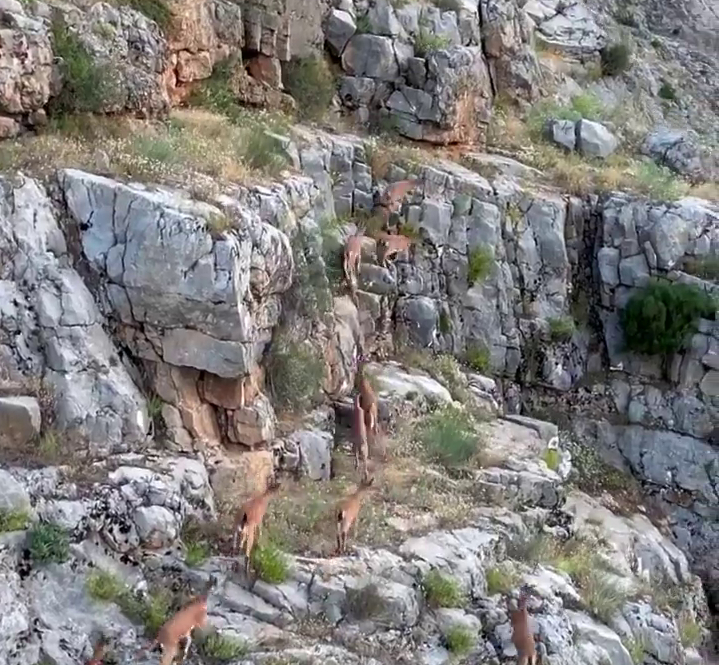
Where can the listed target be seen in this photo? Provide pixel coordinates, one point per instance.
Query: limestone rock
(682, 153)
(595, 140)
(371, 56)
(19, 420)
(338, 28)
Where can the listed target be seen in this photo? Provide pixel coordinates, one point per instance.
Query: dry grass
(194, 148)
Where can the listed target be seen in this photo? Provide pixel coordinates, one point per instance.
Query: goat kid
(179, 627)
(352, 260)
(392, 197)
(367, 397)
(389, 245)
(360, 446)
(347, 512)
(522, 635)
(248, 521)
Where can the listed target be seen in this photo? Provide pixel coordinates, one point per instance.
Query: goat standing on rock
(347, 512)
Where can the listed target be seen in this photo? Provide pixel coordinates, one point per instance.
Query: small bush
(270, 563)
(706, 267)
(659, 318)
(86, 85)
(222, 648)
(364, 603)
(635, 647)
(658, 182)
(459, 640)
(449, 436)
(667, 91)
(561, 328)
(295, 373)
(441, 590)
(312, 85)
(263, 152)
(13, 520)
(500, 579)
(690, 632)
(363, 25)
(425, 42)
(156, 610)
(478, 358)
(156, 10)
(196, 552)
(103, 585)
(480, 263)
(602, 595)
(48, 542)
(615, 59)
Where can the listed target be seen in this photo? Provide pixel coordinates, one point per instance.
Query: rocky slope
(168, 343)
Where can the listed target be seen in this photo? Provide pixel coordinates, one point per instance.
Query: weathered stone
(338, 28)
(710, 383)
(267, 70)
(20, 420)
(234, 479)
(562, 132)
(254, 424)
(13, 496)
(682, 153)
(371, 56)
(634, 270)
(315, 450)
(595, 140)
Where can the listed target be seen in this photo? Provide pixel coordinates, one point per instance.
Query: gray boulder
(371, 56)
(595, 140)
(338, 28)
(20, 420)
(562, 132)
(682, 153)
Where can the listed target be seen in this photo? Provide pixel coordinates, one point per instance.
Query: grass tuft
(295, 374)
(48, 543)
(222, 648)
(478, 358)
(13, 520)
(459, 640)
(615, 59)
(449, 436)
(690, 632)
(270, 563)
(551, 458)
(312, 84)
(501, 579)
(561, 328)
(442, 590)
(364, 603)
(480, 264)
(104, 585)
(425, 42)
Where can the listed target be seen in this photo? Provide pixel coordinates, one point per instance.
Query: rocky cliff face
(165, 350)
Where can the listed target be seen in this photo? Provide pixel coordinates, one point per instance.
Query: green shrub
(312, 85)
(295, 373)
(480, 263)
(602, 595)
(363, 25)
(48, 542)
(500, 579)
(690, 632)
(478, 358)
(196, 552)
(270, 563)
(459, 640)
(561, 328)
(222, 648)
(658, 182)
(156, 10)
(635, 647)
(667, 91)
(156, 610)
(441, 590)
(262, 151)
(103, 585)
(615, 59)
(13, 520)
(659, 318)
(86, 86)
(706, 267)
(449, 436)
(425, 42)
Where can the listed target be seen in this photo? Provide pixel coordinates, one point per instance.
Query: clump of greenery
(196, 552)
(295, 372)
(264, 152)
(480, 262)
(459, 640)
(364, 603)
(270, 563)
(13, 520)
(561, 328)
(449, 436)
(156, 10)
(615, 59)
(425, 42)
(690, 632)
(667, 91)
(591, 474)
(311, 84)
(363, 25)
(103, 585)
(635, 647)
(48, 543)
(659, 318)
(551, 458)
(478, 358)
(222, 648)
(86, 85)
(442, 590)
(582, 106)
(602, 595)
(706, 267)
(658, 182)
(500, 579)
